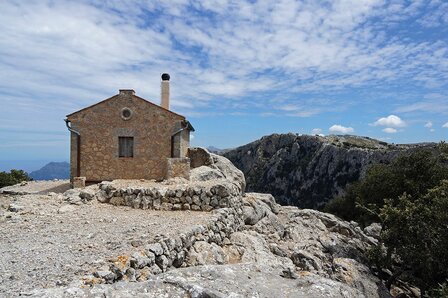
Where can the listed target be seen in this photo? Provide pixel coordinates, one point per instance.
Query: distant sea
(26, 165)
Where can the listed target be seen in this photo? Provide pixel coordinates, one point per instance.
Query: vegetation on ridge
(409, 197)
(13, 177)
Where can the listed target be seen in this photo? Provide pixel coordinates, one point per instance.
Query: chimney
(165, 91)
(127, 92)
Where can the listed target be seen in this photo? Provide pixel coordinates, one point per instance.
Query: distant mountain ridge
(307, 171)
(52, 170)
(215, 150)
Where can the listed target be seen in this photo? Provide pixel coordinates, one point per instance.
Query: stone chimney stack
(165, 91)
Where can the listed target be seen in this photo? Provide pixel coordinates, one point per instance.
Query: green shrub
(409, 197)
(13, 177)
(440, 292)
(412, 174)
(415, 235)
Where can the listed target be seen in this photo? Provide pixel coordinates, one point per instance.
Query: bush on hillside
(13, 177)
(414, 236)
(409, 197)
(414, 175)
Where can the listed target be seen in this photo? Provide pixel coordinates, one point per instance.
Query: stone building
(128, 137)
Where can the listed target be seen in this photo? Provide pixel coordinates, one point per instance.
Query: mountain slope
(307, 171)
(52, 170)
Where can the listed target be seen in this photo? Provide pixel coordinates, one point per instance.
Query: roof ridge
(133, 95)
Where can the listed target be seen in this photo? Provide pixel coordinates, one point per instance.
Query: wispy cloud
(226, 58)
(214, 50)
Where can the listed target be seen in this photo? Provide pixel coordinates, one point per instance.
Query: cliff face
(307, 171)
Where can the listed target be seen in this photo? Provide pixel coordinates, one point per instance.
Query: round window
(126, 114)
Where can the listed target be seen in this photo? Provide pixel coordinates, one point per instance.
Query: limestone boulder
(254, 209)
(204, 253)
(205, 173)
(88, 193)
(256, 250)
(207, 166)
(373, 230)
(15, 208)
(72, 196)
(230, 172)
(199, 157)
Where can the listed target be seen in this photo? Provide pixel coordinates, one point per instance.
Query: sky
(239, 69)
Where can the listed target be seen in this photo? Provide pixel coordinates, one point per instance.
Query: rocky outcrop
(255, 248)
(207, 166)
(307, 171)
(235, 280)
(295, 253)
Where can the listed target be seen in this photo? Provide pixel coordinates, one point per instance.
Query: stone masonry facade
(100, 127)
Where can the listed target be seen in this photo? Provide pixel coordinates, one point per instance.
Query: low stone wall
(204, 196)
(169, 252)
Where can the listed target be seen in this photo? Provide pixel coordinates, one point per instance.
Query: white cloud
(341, 129)
(223, 56)
(439, 106)
(316, 131)
(389, 130)
(432, 130)
(311, 46)
(445, 125)
(428, 124)
(391, 120)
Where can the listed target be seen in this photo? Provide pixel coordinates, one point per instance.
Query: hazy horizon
(26, 165)
(33, 165)
(239, 70)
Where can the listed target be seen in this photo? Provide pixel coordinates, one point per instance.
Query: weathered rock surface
(237, 280)
(295, 253)
(252, 248)
(307, 171)
(207, 166)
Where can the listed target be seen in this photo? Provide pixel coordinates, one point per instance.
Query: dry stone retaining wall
(224, 199)
(168, 252)
(196, 197)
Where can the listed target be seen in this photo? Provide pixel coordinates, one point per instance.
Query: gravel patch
(37, 187)
(46, 243)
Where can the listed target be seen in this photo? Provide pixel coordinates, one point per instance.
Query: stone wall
(73, 155)
(199, 196)
(101, 125)
(166, 252)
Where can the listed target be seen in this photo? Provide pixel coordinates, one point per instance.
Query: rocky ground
(280, 251)
(47, 242)
(256, 248)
